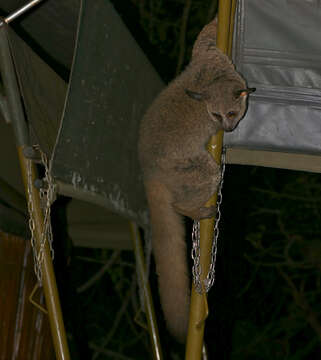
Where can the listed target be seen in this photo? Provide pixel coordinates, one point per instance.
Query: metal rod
(199, 308)
(149, 307)
(21, 11)
(48, 276)
(231, 29)
(12, 94)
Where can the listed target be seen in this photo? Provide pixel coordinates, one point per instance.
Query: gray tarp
(277, 48)
(94, 135)
(49, 26)
(42, 90)
(111, 86)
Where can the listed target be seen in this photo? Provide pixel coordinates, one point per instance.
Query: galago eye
(218, 116)
(231, 114)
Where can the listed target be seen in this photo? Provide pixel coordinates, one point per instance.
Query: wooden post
(149, 307)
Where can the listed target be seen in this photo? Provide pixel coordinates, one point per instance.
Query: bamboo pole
(199, 306)
(149, 308)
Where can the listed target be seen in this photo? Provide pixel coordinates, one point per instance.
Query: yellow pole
(149, 307)
(231, 28)
(8, 75)
(48, 276)
(199, 307)
(16, 114)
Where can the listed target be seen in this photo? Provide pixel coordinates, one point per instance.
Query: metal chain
(47, 195)
(209, 281)
(197, 270)
(32, 225)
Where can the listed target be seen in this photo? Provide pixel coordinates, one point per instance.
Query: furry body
(179, 173)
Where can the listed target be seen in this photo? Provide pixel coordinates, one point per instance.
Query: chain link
(197, 270)
(47, 195)
(32, 225)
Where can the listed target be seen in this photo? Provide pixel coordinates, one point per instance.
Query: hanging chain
(47, 195)
(211, 273)
(197, 269)
(32, 225)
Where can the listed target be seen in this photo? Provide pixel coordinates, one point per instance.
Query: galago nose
(230, 127)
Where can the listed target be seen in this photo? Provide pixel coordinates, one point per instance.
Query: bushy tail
(169, 248)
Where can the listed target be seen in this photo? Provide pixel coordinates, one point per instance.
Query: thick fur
(169, 247)
(179, 173)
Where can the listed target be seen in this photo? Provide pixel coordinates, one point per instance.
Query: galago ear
(195, 95)
(244, 92)
(250, 90)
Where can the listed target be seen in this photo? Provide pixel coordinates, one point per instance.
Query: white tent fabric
(277, 48)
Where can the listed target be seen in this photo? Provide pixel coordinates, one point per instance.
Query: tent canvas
(277, 48)
(112, 83)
